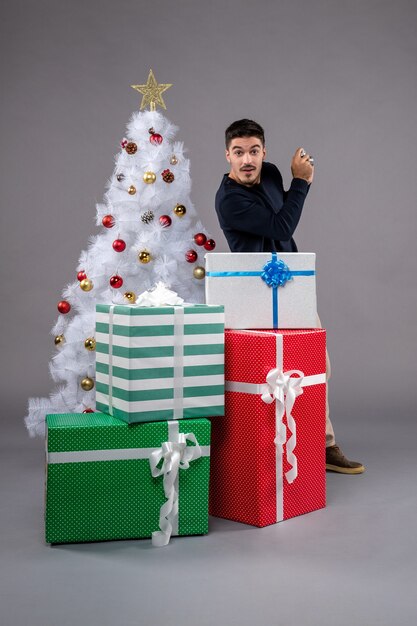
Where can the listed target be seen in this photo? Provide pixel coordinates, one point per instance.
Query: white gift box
(263, 290)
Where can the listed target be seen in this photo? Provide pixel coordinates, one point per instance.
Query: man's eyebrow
(255, 145)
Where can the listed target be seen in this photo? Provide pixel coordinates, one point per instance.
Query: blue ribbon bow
(276, 273)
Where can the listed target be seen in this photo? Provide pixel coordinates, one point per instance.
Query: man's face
(245, 155)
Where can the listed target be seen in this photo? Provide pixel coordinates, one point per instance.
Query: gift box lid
(250, 354)
(134, 309)
(236, 260)
(99, 431)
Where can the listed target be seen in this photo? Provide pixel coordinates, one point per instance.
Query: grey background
(336, 78)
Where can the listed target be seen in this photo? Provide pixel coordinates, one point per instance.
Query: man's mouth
(247, 169)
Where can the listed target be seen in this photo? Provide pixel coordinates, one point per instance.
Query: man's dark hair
(244, 128)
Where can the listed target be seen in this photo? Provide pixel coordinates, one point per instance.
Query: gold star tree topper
(152, 93)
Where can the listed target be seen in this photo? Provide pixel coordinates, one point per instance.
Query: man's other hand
(301, 166)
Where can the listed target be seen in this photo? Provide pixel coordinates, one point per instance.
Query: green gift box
(160, 363)
(106, 479)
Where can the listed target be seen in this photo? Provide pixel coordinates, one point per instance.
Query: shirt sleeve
(303, 183)
(240, 211)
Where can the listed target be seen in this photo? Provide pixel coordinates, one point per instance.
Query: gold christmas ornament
(173, 160)
(199, 272)
(59, 340)
(86, 284)
(90, 344)
(144, 256)
(130, 296)
(131, 190)
(152, 93)
(87, 383)
(149, 178)
(180, 210)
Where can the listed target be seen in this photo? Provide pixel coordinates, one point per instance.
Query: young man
(257, 215)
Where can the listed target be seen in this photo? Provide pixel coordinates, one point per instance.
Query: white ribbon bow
(159, 295)
(174, 455)
(281, 387)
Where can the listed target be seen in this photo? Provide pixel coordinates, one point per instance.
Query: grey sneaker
(337, 462)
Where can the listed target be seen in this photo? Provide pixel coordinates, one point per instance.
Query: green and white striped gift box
(160, 363)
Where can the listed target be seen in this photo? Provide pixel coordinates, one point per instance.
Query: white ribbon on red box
(283, 388)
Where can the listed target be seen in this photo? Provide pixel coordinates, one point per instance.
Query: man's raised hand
(302, 165)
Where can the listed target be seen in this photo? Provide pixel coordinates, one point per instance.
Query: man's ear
(264, 153)
(227, 155)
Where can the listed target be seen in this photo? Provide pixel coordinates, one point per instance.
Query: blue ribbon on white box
(275, 273)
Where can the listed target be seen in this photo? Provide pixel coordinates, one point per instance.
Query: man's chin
(248, 178)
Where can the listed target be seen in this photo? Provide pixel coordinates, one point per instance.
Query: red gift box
(268, 451)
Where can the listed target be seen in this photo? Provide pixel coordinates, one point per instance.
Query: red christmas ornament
(210, 244)
(88, 411)
(168, 176)
(119, 245)
(108, 221)
(191, 256)
(81, 275)
(124, 143)
(64, 306)
(156, 139)
(116, 281)
(165, 221)
(200, 239)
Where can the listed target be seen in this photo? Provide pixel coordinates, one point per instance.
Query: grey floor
(351, 563)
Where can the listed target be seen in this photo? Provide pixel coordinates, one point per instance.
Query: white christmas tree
(149, 233)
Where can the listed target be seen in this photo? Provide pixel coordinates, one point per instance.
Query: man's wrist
(299, 184)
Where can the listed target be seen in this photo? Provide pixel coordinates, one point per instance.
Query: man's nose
(247, 158)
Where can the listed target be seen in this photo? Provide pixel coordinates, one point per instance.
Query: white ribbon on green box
(178, 362)
(175, 454)
(283, 389)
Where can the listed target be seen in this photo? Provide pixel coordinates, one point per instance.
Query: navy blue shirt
(263, 217)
